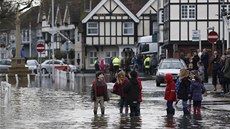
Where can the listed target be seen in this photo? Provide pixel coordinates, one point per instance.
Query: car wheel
(44, 71)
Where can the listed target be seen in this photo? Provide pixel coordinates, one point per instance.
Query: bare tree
(9, 9)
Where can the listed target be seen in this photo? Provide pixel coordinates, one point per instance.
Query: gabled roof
(146, 6)
(74, 6)
(118, 2)
(30, 18)
(134, 5)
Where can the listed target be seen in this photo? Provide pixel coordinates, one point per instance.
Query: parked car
(4, 65)
(47, 66)
(171, 66)
(32, 65)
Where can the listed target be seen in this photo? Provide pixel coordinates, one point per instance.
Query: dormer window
(88, 5)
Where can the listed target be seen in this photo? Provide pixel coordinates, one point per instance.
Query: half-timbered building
(179, 19)
(113, 27)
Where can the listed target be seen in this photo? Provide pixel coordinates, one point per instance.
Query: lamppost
(224, 19)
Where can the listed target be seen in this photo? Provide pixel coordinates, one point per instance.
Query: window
(25, 36)
(162, 16)
(108, 56)
(188, 11)
(92, 57)
(88, 5)
(92, 28)
(128, 28)
(144, 48)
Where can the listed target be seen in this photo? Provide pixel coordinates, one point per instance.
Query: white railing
(62, 77)
(5, 93)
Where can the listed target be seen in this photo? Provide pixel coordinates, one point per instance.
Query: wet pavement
(68, 106)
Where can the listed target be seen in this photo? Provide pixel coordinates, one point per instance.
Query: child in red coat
(170, 93)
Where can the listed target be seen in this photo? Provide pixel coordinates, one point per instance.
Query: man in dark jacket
(204, 60)
(215, 64)
(227, 70)
(133, 92)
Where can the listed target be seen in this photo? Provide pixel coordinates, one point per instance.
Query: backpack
(177, 85)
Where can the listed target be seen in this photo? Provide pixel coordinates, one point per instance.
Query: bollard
(28, 78)
(7, 78)
(16, 77)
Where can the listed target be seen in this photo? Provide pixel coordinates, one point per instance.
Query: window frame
(127, 28)
(188, 12)
(25, 35)
(92, 28)
(111, 54)
(92, 58)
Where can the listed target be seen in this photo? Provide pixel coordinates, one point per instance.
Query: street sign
(195, 35)
(213, 37)
(40, 47)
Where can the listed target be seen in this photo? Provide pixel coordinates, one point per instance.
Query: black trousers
(214, 77)
(205, 74)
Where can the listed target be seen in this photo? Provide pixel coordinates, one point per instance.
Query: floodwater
(68, 106)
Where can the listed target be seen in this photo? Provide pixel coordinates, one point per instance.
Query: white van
(146, 46)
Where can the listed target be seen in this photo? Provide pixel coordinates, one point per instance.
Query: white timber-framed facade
(182, 17)
(112, 28)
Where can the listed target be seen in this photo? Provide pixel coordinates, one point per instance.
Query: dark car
(171, 66)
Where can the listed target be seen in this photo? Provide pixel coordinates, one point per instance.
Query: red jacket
(170, 91)
(140, 93)
(119, 88)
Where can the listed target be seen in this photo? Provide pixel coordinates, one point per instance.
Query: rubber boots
(102, 111)
(170, 111)
(126, 110)
(186, 112)
(196, 111)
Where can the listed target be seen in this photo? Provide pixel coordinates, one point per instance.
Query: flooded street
(68, 106)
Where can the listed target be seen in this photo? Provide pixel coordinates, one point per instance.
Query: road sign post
(40, 48)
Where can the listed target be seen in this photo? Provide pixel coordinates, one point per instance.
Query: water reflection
(130, 122)
(190, 121)
(170, 121)
(184, 121)
(99, 121)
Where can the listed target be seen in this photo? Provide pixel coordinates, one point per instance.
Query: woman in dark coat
(133, 92)
(183, 89)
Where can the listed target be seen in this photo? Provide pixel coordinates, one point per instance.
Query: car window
(5, 62)
(170, 65)
(57, 62)
(31, 63)
(8, 62)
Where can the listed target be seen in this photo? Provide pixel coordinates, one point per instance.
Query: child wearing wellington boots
(196, 90)
(170, 93)
(99, 93)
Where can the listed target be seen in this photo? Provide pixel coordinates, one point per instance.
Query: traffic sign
(213, 37)
(40, 47)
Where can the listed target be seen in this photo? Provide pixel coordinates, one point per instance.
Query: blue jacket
(196, 90)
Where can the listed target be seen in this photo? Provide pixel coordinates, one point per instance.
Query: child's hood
(168, 77)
